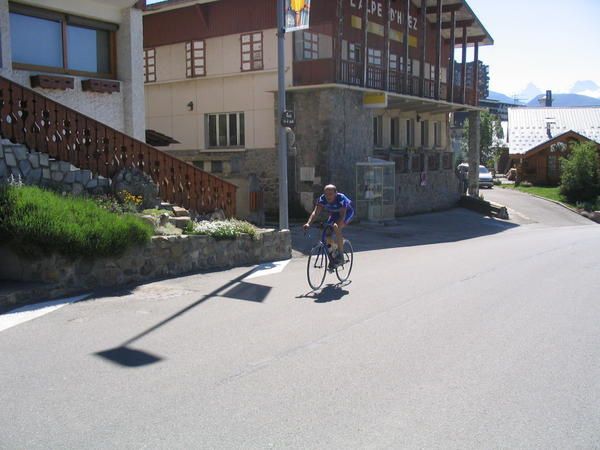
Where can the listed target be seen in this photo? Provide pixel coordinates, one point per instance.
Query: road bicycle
(321, 260)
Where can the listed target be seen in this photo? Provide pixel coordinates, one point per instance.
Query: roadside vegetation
(35, 221)
(222, 229)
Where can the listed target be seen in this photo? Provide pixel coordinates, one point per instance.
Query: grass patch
(549, 192)
(35, 222)
(222, 229)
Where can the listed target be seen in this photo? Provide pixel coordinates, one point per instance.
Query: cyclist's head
(330, 192)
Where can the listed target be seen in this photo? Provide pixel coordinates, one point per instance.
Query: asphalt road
(457, 331)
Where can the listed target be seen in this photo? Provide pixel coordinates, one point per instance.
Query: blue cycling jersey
(341, 201)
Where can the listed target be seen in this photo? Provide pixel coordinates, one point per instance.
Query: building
(539, 137)
(358, 89)
(85, 55)
(72, 89)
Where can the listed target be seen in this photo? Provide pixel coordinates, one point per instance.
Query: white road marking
(30, 312)
(262, 270)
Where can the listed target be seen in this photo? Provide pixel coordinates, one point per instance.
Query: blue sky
(551, 43)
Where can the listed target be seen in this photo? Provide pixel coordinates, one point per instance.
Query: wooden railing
(47, 126)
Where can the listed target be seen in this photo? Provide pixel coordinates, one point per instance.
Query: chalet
(371, 78)
(539, 137)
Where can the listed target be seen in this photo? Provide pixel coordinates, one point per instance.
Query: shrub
(35, 221)
(222, 229)
(579, 181)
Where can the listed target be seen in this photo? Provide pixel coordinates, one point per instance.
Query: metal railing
(44, 125)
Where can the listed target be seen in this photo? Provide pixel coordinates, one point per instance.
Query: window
(194, 59)
(393, 62)
(424, 133)
(378, 131)
(216, 166)
(395, 132)
(552, 166)
(61, 43)
(437, 134)
(410, 133)
(374, 56)
(310, 45)
(252, 51)
(433, 162)
(354, 52)
(149, 65)
(418, 163)
(447, 161)
(226, 130)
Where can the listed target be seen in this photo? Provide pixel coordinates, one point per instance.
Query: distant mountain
(501, 97)
(530, 92)
(582, 86)
(567, 100)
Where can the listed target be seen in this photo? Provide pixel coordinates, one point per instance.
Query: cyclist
(340, 212)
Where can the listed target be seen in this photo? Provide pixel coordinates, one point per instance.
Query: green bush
(35, 221)
(579, 181)
(222, 229)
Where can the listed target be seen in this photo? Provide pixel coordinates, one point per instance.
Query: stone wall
(163, 256)
(39, 169)
(441, 191)
(333, 133)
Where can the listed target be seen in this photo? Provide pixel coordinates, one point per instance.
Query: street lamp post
(282, 147)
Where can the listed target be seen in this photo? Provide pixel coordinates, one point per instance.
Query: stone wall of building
(163, 256)
(440, 191)
(333, 132)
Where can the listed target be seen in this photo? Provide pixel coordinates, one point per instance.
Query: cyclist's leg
(339, 226)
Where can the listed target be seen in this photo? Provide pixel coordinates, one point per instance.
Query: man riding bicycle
(340, 212)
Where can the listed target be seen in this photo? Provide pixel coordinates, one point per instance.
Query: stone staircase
(37, 168)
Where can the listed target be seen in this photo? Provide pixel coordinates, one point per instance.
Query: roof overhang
(465, 18)
(398, 101)
(169, 5)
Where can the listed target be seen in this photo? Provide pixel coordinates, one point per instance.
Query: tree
(491, 133)
(579, 180)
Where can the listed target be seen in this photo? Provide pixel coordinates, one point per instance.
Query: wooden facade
(541, 164)
(365, 41)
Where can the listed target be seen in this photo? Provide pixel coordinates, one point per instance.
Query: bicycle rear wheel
(343, 270)
(316, 267)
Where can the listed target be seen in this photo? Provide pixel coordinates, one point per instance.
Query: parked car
(485, 177)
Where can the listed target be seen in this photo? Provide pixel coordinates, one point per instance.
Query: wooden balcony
(323, 71)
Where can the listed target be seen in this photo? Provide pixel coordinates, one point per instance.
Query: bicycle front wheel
(343, 270)
(317, 266)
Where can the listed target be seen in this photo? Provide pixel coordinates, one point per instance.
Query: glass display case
(375, 190)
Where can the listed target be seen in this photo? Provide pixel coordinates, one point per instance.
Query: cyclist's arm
(316, 212)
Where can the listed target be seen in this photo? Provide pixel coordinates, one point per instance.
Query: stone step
(180, 222)
(180, 212)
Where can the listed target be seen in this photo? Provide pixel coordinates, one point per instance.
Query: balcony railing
(322, 71)
(49, 127)
(351, 73)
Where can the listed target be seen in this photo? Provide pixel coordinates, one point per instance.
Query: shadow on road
(238, 289)
(329, 293)
(433, 228)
